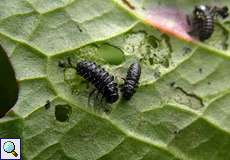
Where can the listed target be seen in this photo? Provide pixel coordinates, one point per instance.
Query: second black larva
(131, 81)
(202, 20)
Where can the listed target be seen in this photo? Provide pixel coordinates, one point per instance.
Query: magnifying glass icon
(9, 147)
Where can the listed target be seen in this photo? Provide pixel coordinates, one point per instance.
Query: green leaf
(181, 111)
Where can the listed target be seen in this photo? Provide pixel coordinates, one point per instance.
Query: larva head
(112, 98)
(200, 10)
(128, 94)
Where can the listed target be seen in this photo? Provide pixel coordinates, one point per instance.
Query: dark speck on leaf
(79, 28)
(176, 132)
(186, 50)
(172, 84)
(200, 70)
(47, 105)
(151, 61)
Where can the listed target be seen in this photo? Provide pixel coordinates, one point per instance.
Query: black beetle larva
(102, 81)
(131, 81)
(202, 21)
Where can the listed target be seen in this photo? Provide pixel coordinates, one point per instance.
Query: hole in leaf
(62, 112)
(156, 51)
(111, 54)
(8, 84)
(153, 41)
